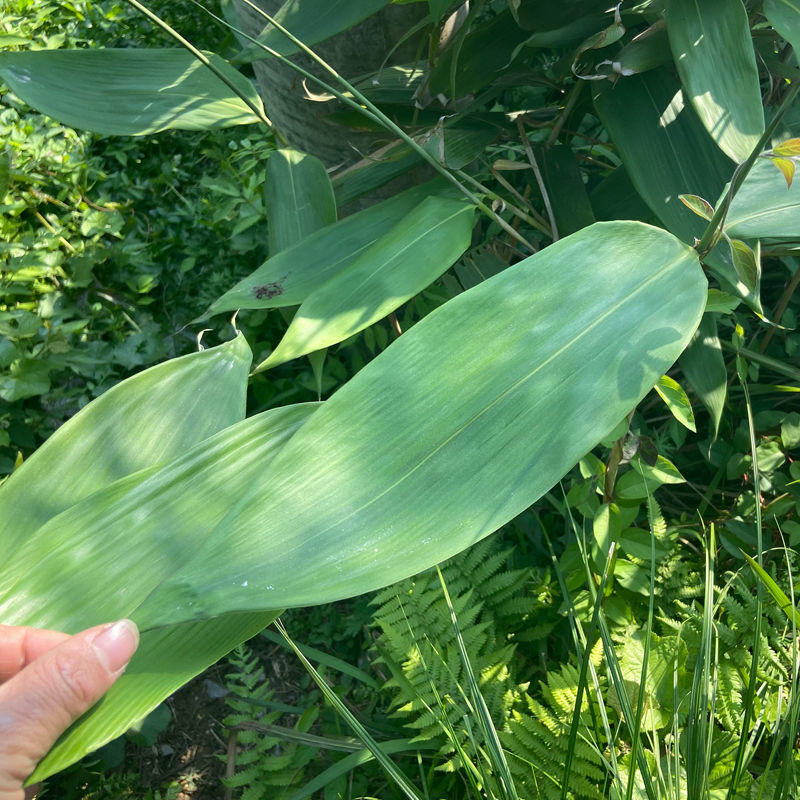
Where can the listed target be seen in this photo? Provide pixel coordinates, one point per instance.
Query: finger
(42, 700)
(20, 646)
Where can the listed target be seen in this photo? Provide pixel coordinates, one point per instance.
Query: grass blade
(360, 731)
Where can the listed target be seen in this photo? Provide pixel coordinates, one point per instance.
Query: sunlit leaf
(764, 207)
(700, 207)
(400, 264)
(147, 419)
(290, 276)
(129, 91)
(401, 486)
(714, 55)
(789, 148)
(670, 391)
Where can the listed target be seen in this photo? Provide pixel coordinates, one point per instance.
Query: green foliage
(109, 247)
(536, 738)
(101, 266)
(266, 765)
(417, 643)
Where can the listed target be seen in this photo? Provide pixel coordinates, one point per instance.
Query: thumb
(39, 703)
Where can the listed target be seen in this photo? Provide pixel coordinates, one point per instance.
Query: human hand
(47, 680)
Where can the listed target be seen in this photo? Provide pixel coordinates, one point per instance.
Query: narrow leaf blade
(400, 264)
(715, 58)
(298, 198)
(149, 418)
(289, 277)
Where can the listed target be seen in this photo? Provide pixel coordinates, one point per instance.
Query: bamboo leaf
(129, 91)
(715, 58)
(416, 471)
(400, 264)
(704, 367)
(764, 207)
(663, 145)
(298, 198)
(670, 391)
(166, 659)
(149, 418)
(289, 277)
(170, 510)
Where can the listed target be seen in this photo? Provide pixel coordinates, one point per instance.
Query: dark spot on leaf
(272, 289)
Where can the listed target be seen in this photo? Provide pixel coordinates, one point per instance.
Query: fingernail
(116, 644)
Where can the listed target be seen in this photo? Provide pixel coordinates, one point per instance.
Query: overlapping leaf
(415, 471)
(764, 207)
(401, 263)
(665, 149)
(289, 277)
(167, 656)
(168, 512)
(298, 198)
(129, 91)
(714, 55)
(152, 417)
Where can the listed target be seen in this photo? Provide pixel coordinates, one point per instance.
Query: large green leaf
(169, 520)
(166, 659)
(129, 91)
(711, 44)
(289, 277)
(414, 470)
(151, 417)
(457, 427)
(298, 198)
(169, 657)
(664, 147)
(513, 381)
(784, 16)
(310, 21)
(401, 263)
(764, 207)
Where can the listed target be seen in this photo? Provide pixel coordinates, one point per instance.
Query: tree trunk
(353, 52)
